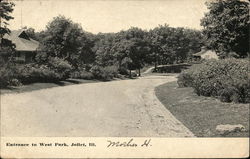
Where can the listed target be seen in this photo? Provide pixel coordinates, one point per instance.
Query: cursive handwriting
(129, 143)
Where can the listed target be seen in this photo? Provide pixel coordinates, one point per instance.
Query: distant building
(26, 47)
(205, 54)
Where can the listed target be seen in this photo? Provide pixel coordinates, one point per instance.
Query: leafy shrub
(7, 75)
(104, 73)
(38, 73)
(15, 74)
(14, 82)
(82, 74)
(96, 71)
(123, 71)
(109, 72)
(60, 66)
(185, 79)
(226, 79)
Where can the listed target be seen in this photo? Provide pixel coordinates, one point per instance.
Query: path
(117, 108)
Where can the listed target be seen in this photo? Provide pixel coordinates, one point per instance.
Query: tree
(137, 47)
(6, 46)
(173, 45)
(103, 45)
(226, 27)
(65, 40)
(5, 9)
(33, 34)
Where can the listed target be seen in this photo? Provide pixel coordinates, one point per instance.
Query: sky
(109, 15)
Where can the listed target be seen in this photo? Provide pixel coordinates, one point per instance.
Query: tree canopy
(226, 27)
(6, 46)
(5, 9)
(66, 40)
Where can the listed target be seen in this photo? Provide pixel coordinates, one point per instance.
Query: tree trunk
(155, 61)
(139, 72)
(130, 73)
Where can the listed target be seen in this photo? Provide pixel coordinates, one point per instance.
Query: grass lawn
(202, 114)
(37, 86)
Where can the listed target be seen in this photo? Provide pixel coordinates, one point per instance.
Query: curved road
(118, 108)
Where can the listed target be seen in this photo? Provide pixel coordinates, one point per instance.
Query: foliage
(173, 45)
(127, 49)
(33, 34)
(33, 73)
(7, 74)
(104, 73)
(15, 74)
(55, 70)
(5, 9)
(6, 51)
(66, 40)
(6, 46)
(226, 27)
(82, 74)
(226, 79)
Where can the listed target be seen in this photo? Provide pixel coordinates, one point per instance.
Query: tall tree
(65, 40)
(138, 47)
(226, 26)
(6, 46)
(173, 45)
(5, 9)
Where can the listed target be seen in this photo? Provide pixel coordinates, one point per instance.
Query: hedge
(227, 79)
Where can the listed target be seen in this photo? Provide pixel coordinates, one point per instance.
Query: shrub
(82, 74)
(7, 75)
(104, 73)
(15, 74)
(109, 72)
(226, 79)
(96, 71)
(38, 73)
(123, 71)
(14, 82)
(60, 66)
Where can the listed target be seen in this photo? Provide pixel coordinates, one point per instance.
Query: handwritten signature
(129, 143)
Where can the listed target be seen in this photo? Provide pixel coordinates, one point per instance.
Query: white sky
(110, 15)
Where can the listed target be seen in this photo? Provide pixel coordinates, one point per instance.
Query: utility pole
(21, 14)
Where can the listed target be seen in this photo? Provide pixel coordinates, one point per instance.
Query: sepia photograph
(124, 78)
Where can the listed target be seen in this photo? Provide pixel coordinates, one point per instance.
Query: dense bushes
(7, 75)
(226, 79)
(104, 73)
(96, 72)
(82, 74)
(54, 70)
(12, 74)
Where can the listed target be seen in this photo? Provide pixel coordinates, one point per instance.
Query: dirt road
(118, 108)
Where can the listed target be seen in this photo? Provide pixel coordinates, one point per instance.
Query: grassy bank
(202, 114)
(38, 86)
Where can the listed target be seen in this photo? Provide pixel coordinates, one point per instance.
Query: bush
(60, 66)
(82, 74)
(12, 74)
(123, 71)
(7, 75)
(226, 79)
(109, 72)
(104, 73)
(31, 73)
